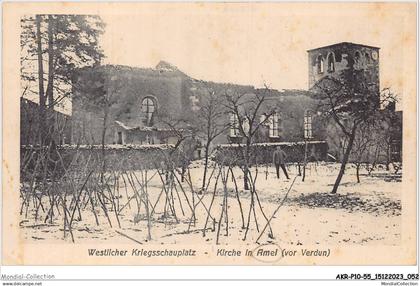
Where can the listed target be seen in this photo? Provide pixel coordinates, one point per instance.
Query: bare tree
(348, 101)
(391, 128)
(363, 143)
(40, 82)
(245, 110)
(211, 124)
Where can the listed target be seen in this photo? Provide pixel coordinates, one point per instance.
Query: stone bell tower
(333, 59)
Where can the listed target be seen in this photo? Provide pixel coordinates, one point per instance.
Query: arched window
(273, 130)
(331, 63)
(320, 64)
(307, 124)
(234, 125)
(120, 137)
(148, 107)
(367, 58)
(245, 126)
(357, 58)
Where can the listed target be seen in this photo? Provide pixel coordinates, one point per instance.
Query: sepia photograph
(209, 134)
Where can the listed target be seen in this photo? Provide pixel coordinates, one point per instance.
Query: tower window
(331, 63)
(148, 108)
(367, 58)
(320, 64)
(357, 58)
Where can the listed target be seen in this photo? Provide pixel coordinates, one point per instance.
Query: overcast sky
(253, 43)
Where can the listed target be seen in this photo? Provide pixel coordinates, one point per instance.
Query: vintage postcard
(209, 134)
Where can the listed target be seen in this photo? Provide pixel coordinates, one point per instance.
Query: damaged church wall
(129, 87)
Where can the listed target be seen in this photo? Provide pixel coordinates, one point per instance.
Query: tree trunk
(103, 141)
(206, 162)
(246, 185)
(388, 156)
(246, 166)
(357, 172)
(49, 92)
(344, 162)
(305, 161)
(183, 170)
(41, 123)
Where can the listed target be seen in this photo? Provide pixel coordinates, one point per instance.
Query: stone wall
(72, 158)
(262, 153)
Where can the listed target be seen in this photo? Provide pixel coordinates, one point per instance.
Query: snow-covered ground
(360, 213)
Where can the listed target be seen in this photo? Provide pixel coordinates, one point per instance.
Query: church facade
(147, 103)
(151, 106)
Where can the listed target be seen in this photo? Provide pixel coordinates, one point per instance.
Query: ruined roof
(166, 69)
(343, 44)
(282, 92)
(165, 66)
(162, 68)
